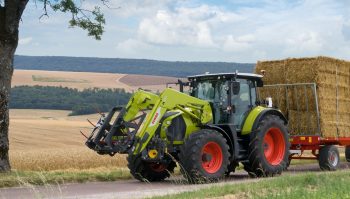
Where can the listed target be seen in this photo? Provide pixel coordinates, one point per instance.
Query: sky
(191, 30)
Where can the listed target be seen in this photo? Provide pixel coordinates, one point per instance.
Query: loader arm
(137, 123)
(171, 99)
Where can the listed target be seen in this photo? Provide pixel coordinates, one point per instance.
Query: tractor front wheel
(204, 157)
(149, 171)
(268, 148)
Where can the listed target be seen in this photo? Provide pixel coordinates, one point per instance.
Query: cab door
(243, 102)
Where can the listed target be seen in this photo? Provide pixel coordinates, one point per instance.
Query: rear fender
(256, 115)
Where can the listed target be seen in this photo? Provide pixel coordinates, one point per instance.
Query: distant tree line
(79, 102)
(127, 66)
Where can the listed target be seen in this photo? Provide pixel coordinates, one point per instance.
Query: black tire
(328, 158)
(231, 168)
(347, 153)
(270, 129)
(247, 168)
(193, 159)
(148, 171)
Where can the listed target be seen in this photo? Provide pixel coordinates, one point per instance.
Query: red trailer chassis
(300, 144)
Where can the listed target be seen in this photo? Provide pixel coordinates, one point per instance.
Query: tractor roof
(250, 76)
(211, 76)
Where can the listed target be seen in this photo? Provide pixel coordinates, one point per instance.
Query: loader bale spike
(91, 123)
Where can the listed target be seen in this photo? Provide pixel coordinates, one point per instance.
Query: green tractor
(217, 124)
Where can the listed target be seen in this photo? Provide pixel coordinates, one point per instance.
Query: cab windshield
(211, 90)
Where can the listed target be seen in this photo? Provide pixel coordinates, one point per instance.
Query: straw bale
(302, 123)
(301, 98)
(332, 77)
(329, 129)
(278, 95)
(343, 129)
(275, 71)
(301, 70)
(343, 107)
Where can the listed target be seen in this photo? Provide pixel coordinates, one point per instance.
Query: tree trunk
(6, 67)
(10, 15)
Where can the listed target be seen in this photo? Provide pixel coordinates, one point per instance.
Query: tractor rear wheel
(149, 171)
(347, 153)
(204, 157)
(268, 148)
(328, 158)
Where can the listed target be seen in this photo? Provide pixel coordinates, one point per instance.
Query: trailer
(308, 143)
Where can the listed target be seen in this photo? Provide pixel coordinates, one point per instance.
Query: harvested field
(79, 80)
(83, 80)
(50, 140)
(332, 77)
(140, 80)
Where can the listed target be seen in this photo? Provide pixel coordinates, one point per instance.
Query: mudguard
(256, 115)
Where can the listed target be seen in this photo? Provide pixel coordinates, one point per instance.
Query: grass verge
(25, 178)
(309, 185)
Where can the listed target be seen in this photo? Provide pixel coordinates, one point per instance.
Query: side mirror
(235, 87)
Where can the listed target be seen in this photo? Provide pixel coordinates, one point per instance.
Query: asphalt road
(129, 189)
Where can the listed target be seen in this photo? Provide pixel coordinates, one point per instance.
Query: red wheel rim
(212, 157)
(157, 167)
(274, 146)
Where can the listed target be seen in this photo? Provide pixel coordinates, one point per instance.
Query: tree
(10, 16)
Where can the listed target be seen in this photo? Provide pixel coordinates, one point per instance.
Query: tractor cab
(231, 95)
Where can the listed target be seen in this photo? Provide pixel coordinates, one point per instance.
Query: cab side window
(241, 102)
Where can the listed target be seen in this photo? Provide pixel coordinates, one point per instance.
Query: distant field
(83, 80)
(50, 140)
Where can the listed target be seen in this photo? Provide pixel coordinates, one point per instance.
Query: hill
(126, 66)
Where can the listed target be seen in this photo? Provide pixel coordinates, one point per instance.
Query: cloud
(174, 28)
(307, 41)
(230, 30)
(274, 30)
(184, 26)
(134, 8)
(241, 43)
(346, 30)
(25, 41)
(131, 46)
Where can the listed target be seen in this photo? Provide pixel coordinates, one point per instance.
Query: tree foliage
(90, 20)
(79, 102)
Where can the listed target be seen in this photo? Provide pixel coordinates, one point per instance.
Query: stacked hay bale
(332, 77)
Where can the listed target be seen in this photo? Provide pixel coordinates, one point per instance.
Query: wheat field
(43, 140)
(83, 80)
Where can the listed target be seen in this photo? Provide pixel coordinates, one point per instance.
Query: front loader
(208, 131)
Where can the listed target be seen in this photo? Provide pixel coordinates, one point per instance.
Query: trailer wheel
(204, 157)
(268, 148)
(347, 153)
(149, 171)
(328, 158)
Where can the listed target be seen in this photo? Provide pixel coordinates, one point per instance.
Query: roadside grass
(306, 185)
(29, 178)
